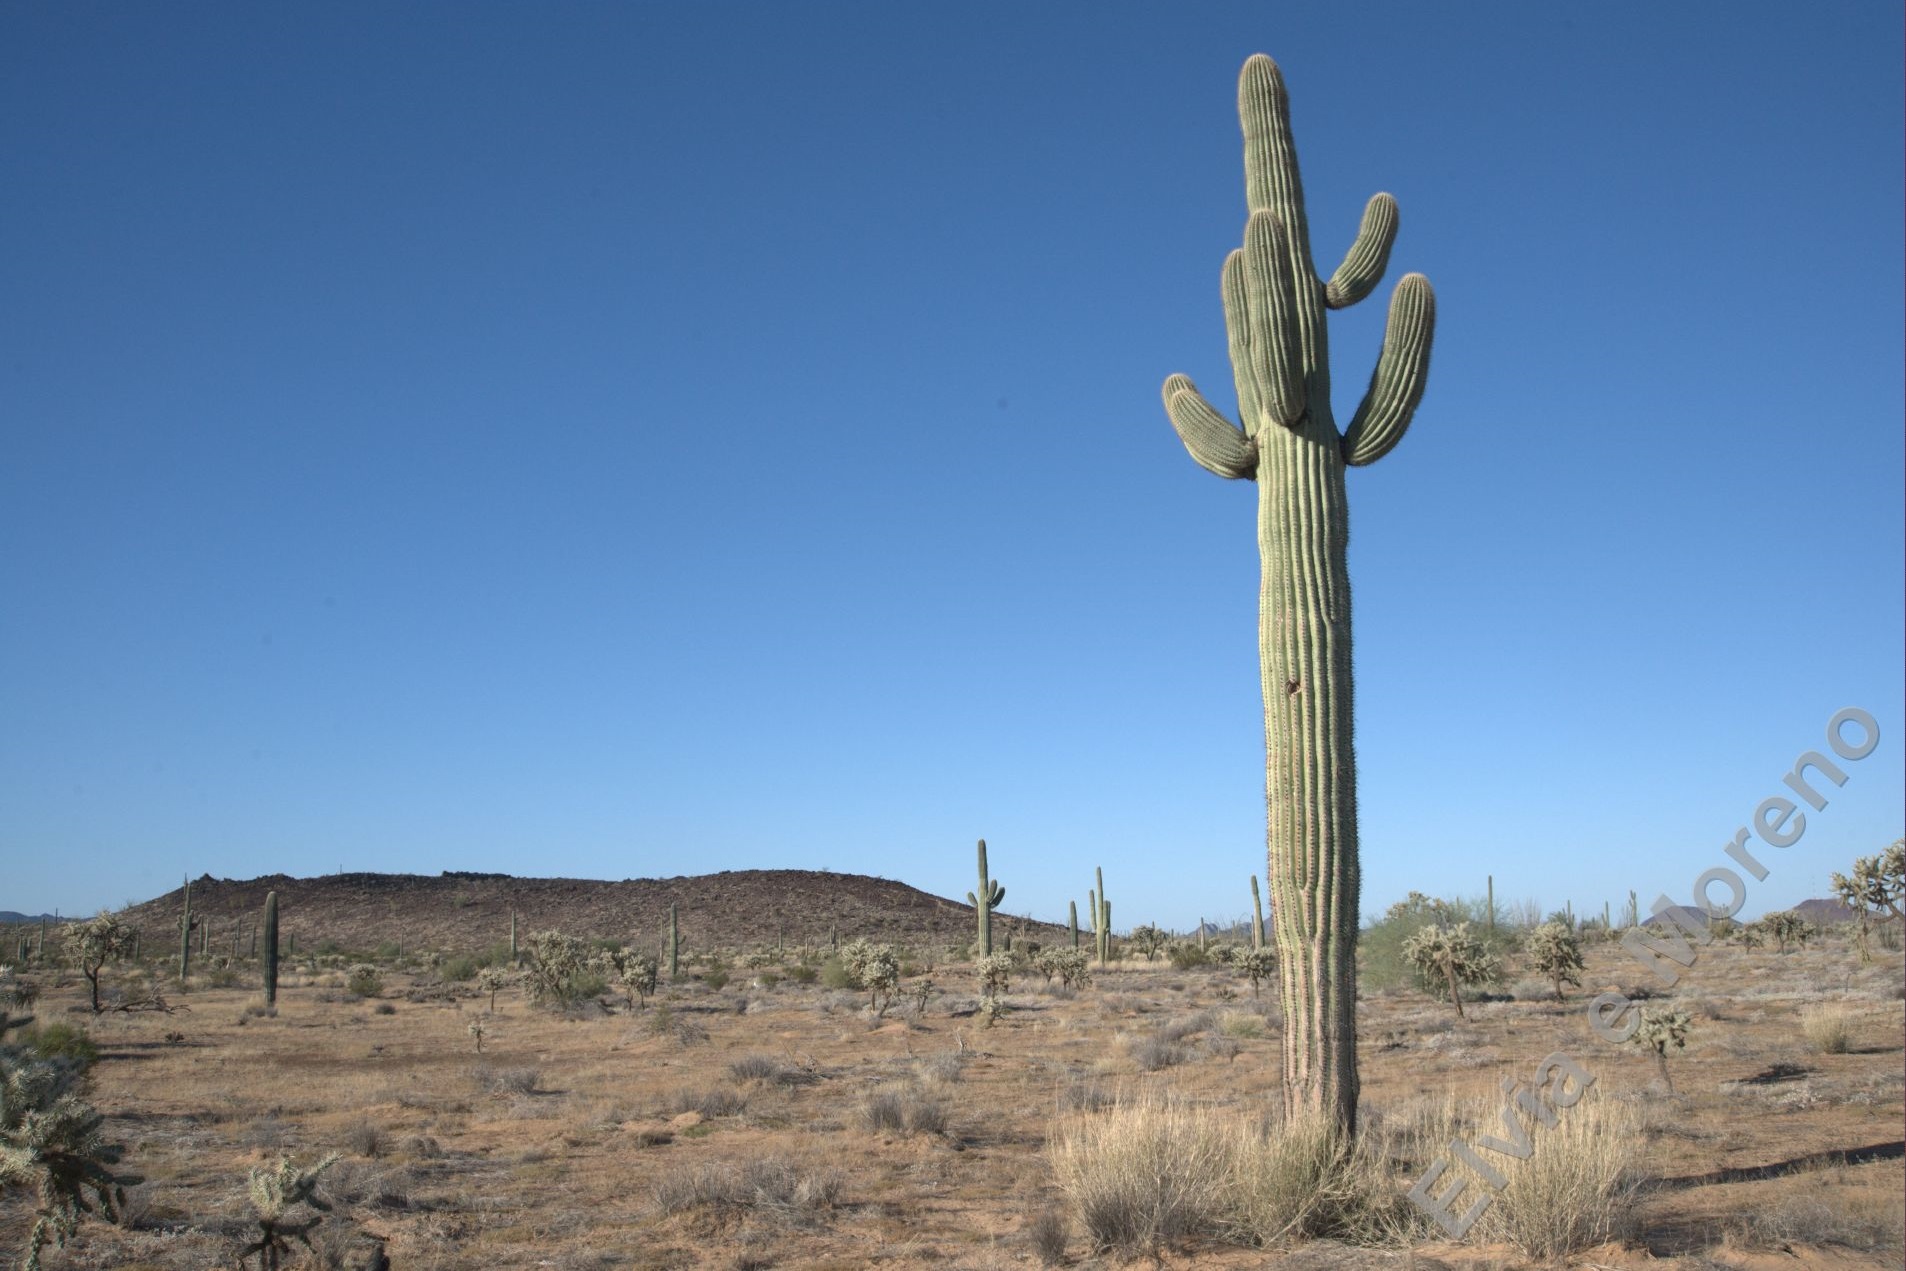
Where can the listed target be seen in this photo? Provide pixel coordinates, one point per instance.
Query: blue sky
(633, 440)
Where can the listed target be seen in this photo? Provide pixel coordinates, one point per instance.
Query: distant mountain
(1825, 913)
(8, 918)
(458, 912)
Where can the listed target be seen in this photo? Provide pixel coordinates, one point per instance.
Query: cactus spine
(1257, 915)
(1274, 306)
(271, 948)
(673, 943)
(1072, 921)
(988, 898)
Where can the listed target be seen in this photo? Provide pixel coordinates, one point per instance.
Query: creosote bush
(1828, 1027)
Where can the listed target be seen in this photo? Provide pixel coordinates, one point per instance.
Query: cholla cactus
(274, 1193)
(639, 973)
(553, 964)
(493, 980)
(1662, 1027)
(94, 943)
(1259, 964)
(995, 974)
(1786, 927)
(363, 980)
(51, 1140)
(1555, 952)
(1446, 958)
(1150, 941)
(1070, 965)
(873, 967)
(477, 1030)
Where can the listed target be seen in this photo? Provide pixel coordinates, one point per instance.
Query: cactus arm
(1276, 345)
(1396, 386)
(1271, 182)
(1214, 441)
(1369, 255)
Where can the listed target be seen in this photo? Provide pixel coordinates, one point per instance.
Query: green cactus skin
(271, 948)
(1274, 306)
(1101, 916)
(1257, 915)
(988, 898)
(186, 923)
(674, 943)
(1072, 921)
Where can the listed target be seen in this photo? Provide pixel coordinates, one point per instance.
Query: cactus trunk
(1257, 915)
(1072, 921)
(185, 935)
(674, 943)
(271, 948)
(1274, 305)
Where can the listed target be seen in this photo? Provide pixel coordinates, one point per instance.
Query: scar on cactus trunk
(1274, 305)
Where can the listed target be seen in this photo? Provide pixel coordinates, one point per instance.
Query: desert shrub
(1578, 1189)
(63, 1042)
(519, 1080)
(384, 1008)
(1305, 1179)
(364, 1138)
(873, 968)
(1072, 966)
(1828, 1027)
(1866, 1221)
(224, 977)
(458, 969)
(803, 974)
(765, 1068)
(1258, 964)
(772, 1188)
(715, 978)
(1155, 1052)
(994, 973)
(1046, 1235)
(714, 1101)
(1784, 928)
(834, 974)
(1145, 1175)
(363, 980)
(1186, 955)
(559, 970)
(1150, 940)
(1241, 1024)
(1662, 1028)
(903, 1110)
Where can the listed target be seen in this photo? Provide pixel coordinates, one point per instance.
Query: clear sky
(625, 440)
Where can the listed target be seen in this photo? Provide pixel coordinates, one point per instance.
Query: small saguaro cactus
(271, 948)
(1072, 921)
(988, 898)
(1257, 915)
(187, 923)
(516, 958)
(1492, 904)
(1101, 917)
(1274, 305)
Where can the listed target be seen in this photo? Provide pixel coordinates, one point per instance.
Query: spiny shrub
(1555, 952)
(363, 980)
(1662, 1028)
(1447, 958)
(873, 968)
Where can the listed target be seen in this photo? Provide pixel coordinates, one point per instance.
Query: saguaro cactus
(673, 944)
(1072, 921)
(1288, 443)
(186, 923)
(1257, 915)
(271, 948)
(984, 901)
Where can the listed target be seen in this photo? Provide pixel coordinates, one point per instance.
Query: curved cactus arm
(1367, 258)
(1214, 441)
(997, 897)
(1396, 386)
(1237, 327)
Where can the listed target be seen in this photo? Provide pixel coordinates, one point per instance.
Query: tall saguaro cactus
(988, 898)
(1274, 304)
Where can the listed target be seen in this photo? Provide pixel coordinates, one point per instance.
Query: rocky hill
(458, 912)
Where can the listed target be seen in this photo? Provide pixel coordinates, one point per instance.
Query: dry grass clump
(1153, 1172)
(1832, 1213)
(1242, 1024)
(903, 1110)
(714, 1101)
(1828, 1027)
(1047, 1234)
(521, 1080)
(772, 1188)
(765, 1068)
(1579, 1186)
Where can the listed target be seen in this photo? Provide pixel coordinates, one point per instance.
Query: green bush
(802, 973)
(1185, 955)
(60, 1040)
(715, 978)
(458, 969)
(834, 974)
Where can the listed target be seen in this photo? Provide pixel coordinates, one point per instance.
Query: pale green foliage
(1784, 928)
(1070, 965)
(493, 980)
(1556, 953)
(1878, 886)
(637, 971)
(52, 1141)
(874, 968)
(1259, 964)
(1662, 1028)
(94, 943)
(995, 974)
(1447, 958)
(363, 980)
(554, 965)
(1149, 940)
(273, 1194)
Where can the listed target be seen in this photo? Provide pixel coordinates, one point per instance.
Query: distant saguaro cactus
(1274, 305)
(271, 948)
(1072, 921)
(984, 901)
(186, 923)
(1257, 915)
(672, 945)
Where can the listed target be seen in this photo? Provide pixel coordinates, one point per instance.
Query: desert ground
(763, 1122)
